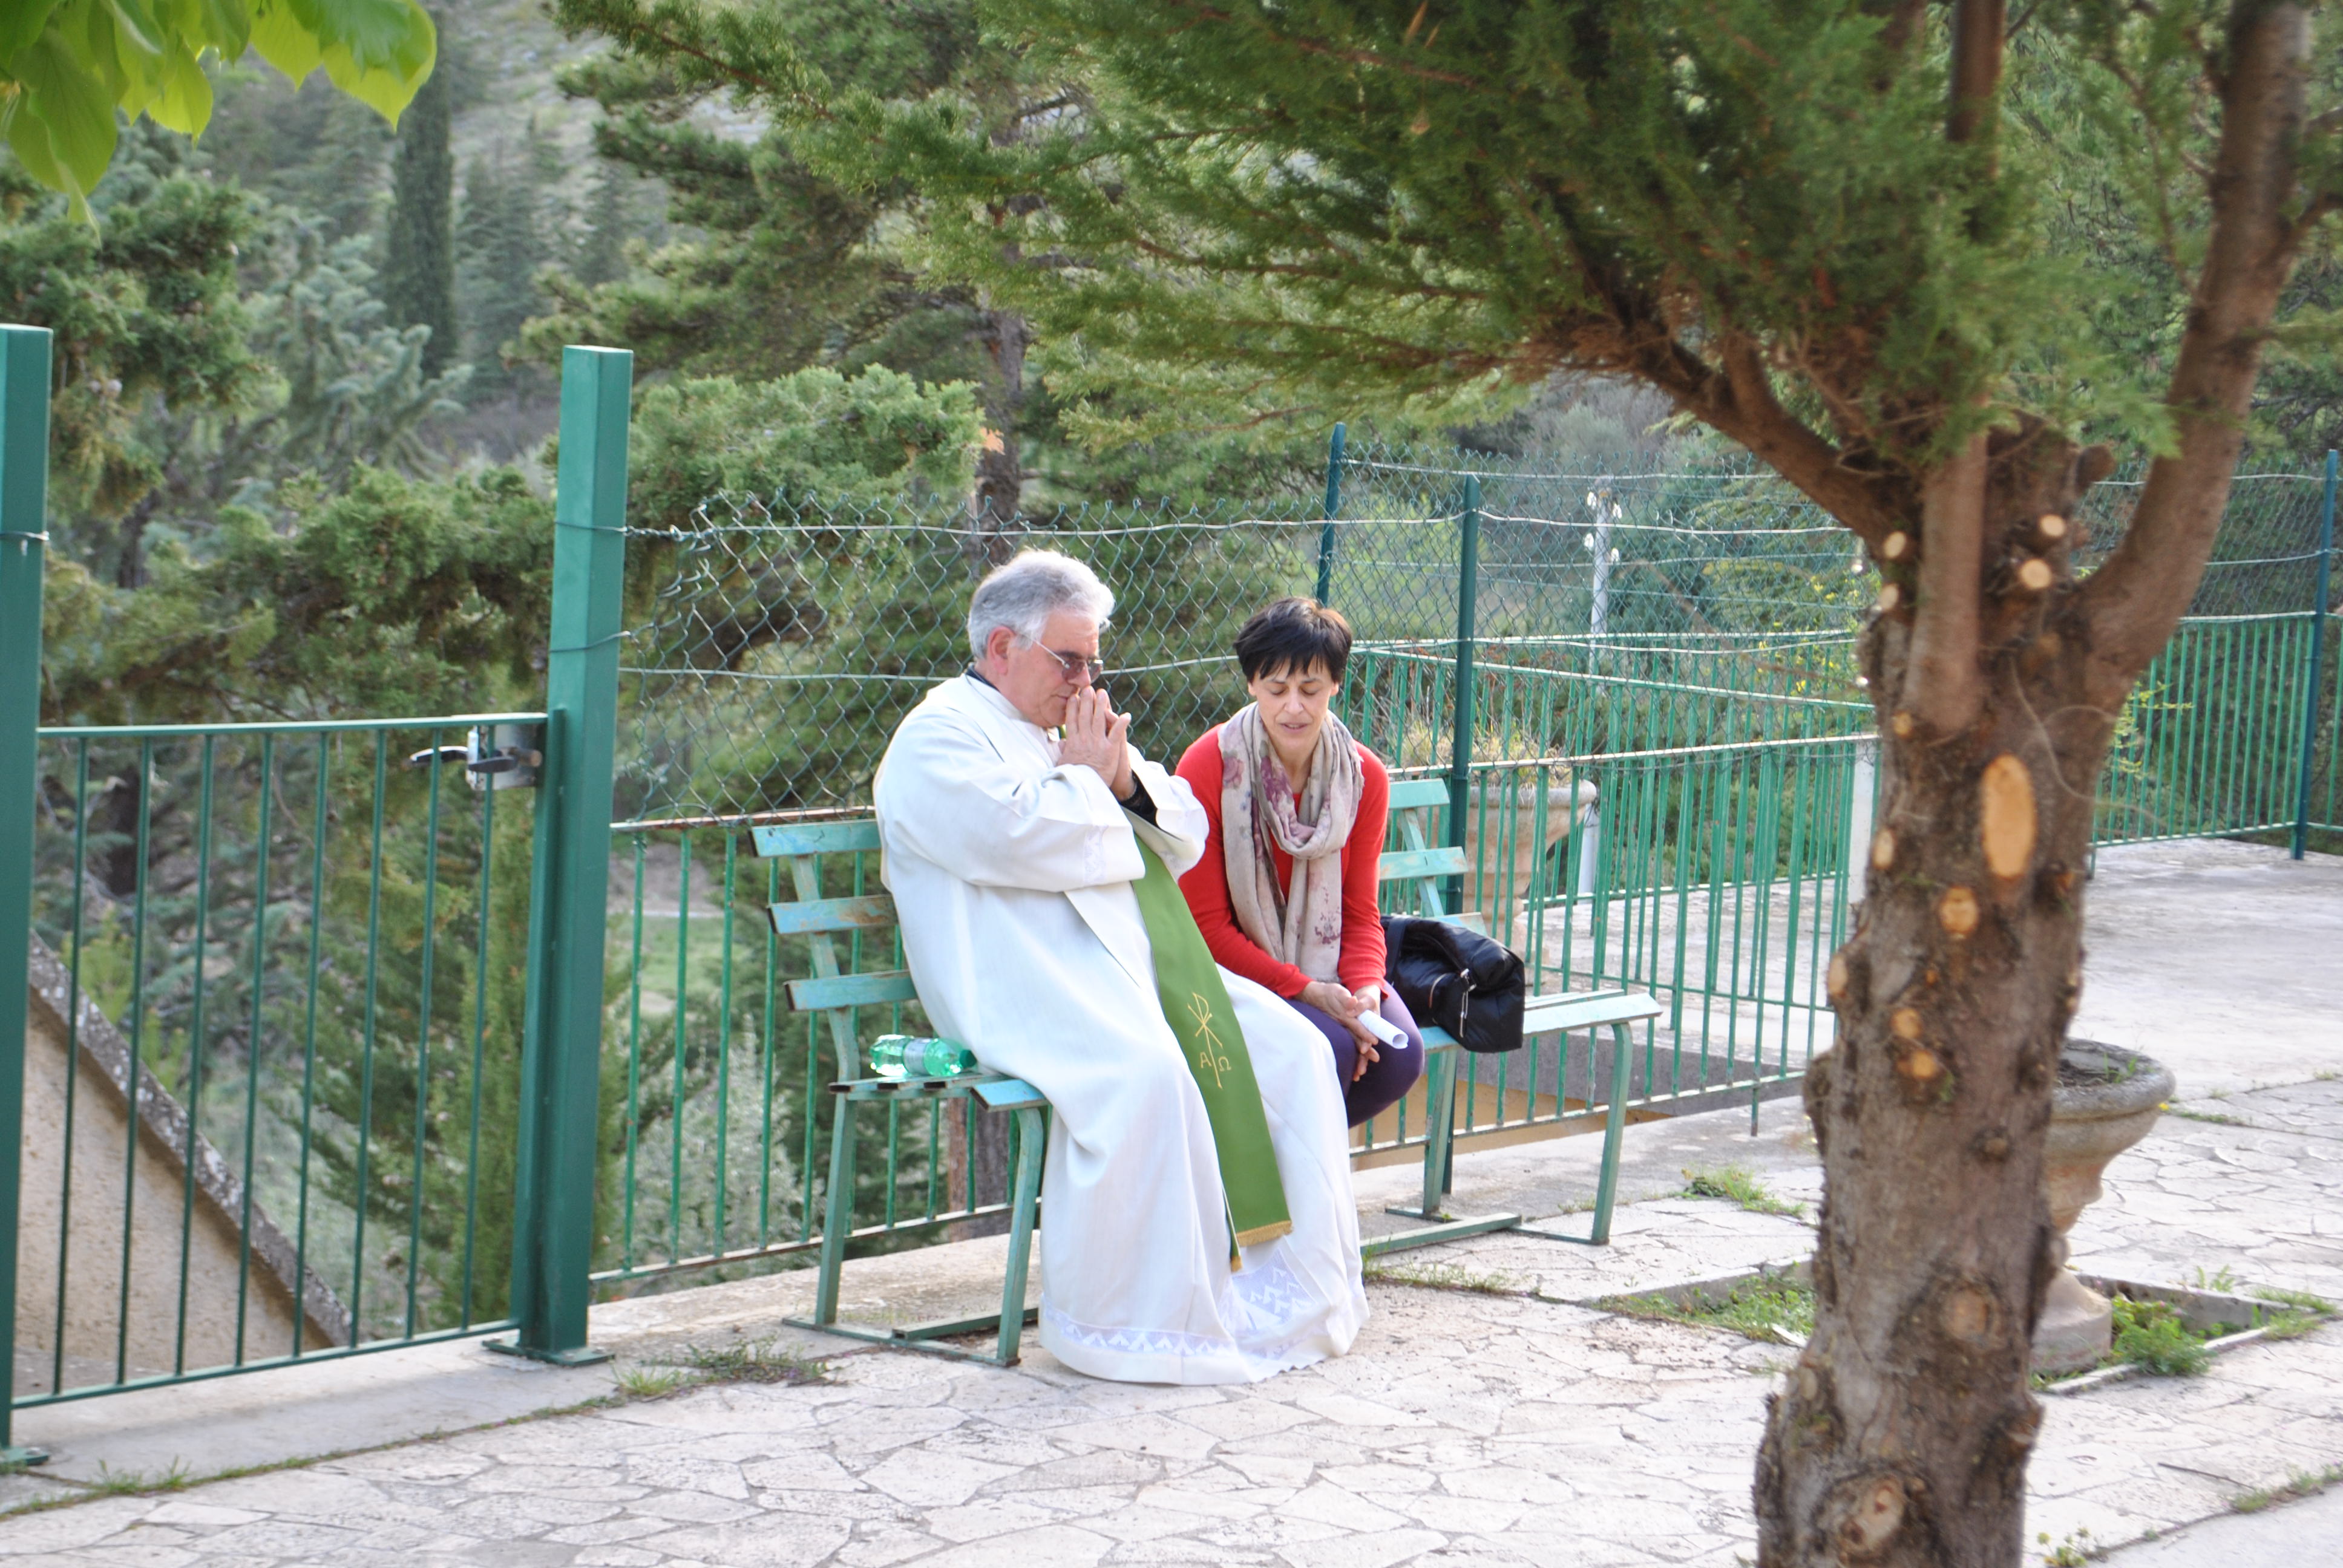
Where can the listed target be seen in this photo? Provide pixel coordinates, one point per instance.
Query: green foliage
(788, 440)
(318, 153)
(786, 264)
(389, 597)
(149, 305)
(2150, 1334)
(67, 66)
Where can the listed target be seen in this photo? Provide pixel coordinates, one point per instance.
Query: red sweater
(1207, 886)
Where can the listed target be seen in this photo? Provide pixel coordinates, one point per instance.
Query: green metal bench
(835, 994)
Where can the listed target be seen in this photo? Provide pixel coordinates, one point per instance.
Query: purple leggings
(1388, 1079)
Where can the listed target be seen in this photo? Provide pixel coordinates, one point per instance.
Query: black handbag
(1473, 987)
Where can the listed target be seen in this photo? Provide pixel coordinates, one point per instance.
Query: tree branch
(1978, 29)
(1739, 401)
(2134, 601)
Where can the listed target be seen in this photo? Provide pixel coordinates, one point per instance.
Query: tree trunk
(1000, 463)
(1903, 1434)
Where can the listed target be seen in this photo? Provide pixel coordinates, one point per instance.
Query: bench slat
(1565, 1010)
(1585, 1010)
(1409, 794)
(1397, 865)
(820, 995)
(815, 838)
(872, 911)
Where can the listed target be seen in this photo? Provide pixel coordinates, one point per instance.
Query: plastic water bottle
(919, 1056)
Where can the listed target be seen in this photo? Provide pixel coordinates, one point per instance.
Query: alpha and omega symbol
(1209, 1049)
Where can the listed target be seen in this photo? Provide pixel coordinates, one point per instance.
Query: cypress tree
(419, 275)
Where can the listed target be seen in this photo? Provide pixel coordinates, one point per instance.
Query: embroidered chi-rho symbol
(1208, 1053)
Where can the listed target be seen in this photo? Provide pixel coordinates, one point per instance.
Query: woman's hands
(1346, 1007)
(1094, 738)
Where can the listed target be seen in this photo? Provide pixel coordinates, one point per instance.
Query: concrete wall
(92, 1230)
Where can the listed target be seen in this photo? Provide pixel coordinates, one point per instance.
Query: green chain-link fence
(1667, 765)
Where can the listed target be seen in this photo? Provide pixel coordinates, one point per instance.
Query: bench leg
(838, 1219)
(1614, 1124)
(1440, 1118)
(1032, 1141)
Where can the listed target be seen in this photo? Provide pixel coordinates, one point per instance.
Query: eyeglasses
(1075, 666)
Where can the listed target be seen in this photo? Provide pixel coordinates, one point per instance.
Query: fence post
(2317, 662)
(1459, 746)
(1863, 803)
(553, 1235)
(1598, 612)
(23, 539)
(1334, 506)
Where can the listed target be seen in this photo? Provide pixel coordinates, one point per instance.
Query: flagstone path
(1506, 1424)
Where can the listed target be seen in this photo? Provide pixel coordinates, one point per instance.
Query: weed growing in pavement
(1736, 1184)
(2299, 1483)
(2150, 1334)
(2300, 1300)
(113, 1482)
(2073, 1552)
(1441, 1277)
(654, 1382)
(2292, 1325)
(2213, 1116)
(1772, 1310)
(2221, 1280)
(753, 1360)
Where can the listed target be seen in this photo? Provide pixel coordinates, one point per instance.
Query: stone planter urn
(2106, 1099)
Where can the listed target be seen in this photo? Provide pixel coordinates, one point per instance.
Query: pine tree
(503, 242)
(419, 275)
(602, 249)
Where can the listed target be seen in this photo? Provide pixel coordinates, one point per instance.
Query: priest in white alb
(1197, 1222)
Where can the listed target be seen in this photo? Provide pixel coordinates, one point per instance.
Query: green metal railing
(719, 1127)
(290, 937)
(395, 1109)
(303, 1022)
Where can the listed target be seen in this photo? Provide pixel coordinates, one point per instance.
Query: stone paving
(1511, 1428)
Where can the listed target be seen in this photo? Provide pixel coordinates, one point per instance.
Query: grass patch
(2300, 1483)
(696, 1366)
(654, 1382)
(2292, 1325)
(2213, 1116)
(2300, 1300)
(1774, 1309)
(1441, 1277)
(1734, 1183)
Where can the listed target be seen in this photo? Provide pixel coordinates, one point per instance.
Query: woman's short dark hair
(1296, 635)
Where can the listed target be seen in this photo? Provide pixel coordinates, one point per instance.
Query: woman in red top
(1285, 893)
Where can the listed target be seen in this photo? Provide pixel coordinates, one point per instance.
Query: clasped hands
(1095, 737)
(1347, 1008)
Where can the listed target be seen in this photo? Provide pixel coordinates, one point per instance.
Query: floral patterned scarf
(1303, 928)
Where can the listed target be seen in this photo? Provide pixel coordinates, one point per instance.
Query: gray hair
(1026, 592)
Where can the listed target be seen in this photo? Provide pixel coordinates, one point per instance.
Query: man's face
(1035, 679)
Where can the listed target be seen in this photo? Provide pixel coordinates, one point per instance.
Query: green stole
(1196, 1005)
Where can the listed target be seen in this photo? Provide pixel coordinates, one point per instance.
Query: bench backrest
(836, 994)
(829, 991)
